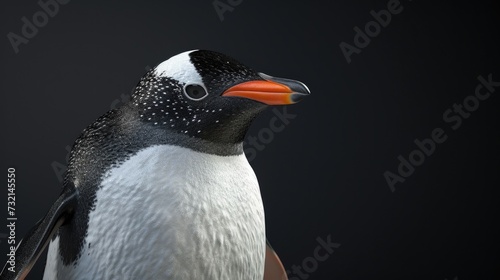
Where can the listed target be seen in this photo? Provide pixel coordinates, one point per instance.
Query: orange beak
(270, 91)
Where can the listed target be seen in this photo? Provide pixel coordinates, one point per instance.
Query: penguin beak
(270, 91)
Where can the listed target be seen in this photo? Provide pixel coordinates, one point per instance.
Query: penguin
(160, 187)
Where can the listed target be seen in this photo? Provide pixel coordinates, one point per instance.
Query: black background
(323, 174)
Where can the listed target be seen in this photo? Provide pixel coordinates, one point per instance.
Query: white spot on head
(180, 68)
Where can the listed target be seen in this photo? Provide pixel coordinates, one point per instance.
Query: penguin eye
(195, 92)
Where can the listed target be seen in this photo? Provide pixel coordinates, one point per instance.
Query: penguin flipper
(32, 245)
(273, 269)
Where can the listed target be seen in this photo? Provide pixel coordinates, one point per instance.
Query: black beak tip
(300, 90)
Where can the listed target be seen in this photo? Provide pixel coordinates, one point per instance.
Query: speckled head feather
(162, 101)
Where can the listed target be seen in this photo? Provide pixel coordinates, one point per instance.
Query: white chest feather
(172, 213)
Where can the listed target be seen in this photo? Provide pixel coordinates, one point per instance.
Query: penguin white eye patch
(195, 92)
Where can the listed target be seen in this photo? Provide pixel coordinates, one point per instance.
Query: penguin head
(210, 96)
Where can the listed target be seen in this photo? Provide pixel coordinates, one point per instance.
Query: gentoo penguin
(160, 188)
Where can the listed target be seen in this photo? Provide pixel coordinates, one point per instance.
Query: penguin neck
(148, 134)
(222, 134)
(207, 146)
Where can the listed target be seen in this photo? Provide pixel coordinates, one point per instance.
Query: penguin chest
(173, 213)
